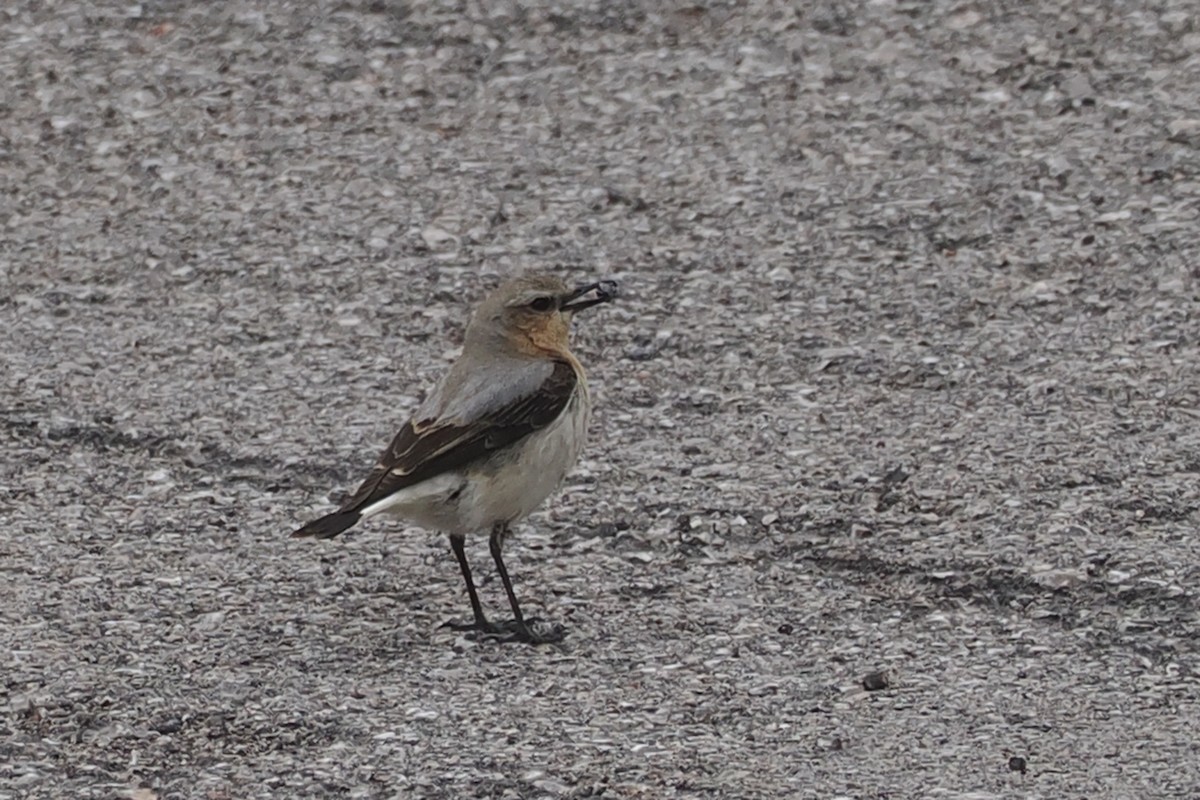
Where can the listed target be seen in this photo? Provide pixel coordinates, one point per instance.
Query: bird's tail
(329, 525)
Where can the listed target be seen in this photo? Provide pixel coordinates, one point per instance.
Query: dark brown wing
(425, 448)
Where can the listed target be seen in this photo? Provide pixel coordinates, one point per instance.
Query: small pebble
(875, 681)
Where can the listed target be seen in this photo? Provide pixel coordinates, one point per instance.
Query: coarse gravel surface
(892, 484)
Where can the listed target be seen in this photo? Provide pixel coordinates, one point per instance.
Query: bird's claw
(531, 631)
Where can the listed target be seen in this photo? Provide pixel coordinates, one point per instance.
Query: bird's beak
(578, 300)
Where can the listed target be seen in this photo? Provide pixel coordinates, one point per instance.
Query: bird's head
(532, 313)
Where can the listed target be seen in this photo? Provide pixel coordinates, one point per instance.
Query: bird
(496, 437)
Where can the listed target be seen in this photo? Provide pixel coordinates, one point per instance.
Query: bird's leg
(481, 622)
(520, 628)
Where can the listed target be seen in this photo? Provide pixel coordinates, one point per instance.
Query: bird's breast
(515, 481)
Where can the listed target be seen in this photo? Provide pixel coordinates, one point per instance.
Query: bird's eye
(542, 303)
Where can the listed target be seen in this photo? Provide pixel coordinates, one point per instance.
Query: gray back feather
(479, 384)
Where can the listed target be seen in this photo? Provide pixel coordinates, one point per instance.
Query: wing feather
(425, 448)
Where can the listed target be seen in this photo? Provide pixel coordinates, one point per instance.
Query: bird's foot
(531, 631)
(479, 626)
(535, 631)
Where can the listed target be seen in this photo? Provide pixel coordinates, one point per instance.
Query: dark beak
(583, 296)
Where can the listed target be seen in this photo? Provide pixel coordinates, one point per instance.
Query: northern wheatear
(494, 439)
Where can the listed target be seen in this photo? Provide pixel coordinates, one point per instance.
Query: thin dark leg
(481, 622)
(495, 542)
(520, 628)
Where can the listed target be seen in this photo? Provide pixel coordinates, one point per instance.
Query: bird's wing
(425, 448)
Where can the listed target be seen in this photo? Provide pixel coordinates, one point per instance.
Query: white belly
(509, 487)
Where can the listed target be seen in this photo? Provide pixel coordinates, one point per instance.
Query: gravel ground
(902, 382)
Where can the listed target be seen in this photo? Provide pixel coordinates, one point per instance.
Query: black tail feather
(329, 525)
